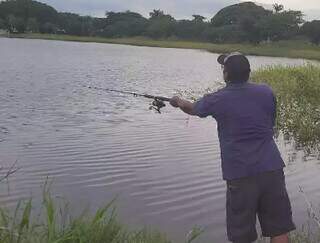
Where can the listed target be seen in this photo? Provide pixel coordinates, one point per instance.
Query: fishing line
(157, 104)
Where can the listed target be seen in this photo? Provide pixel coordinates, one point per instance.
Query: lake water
(93, 146)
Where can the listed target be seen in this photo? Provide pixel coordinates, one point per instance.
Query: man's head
(236, 67)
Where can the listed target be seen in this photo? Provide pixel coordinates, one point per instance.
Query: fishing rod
(157, 104)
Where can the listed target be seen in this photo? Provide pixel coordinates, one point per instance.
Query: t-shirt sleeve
(207, 106)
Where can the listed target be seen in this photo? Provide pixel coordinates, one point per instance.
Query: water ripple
(95, 145)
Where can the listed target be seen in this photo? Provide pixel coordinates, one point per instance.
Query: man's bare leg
(280, 239)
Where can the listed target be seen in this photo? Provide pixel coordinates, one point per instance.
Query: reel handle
(162, 98)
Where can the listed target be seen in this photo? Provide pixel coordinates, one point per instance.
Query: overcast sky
(178, 8)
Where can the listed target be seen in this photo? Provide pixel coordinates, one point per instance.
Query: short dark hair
(237, 66)
(237, 76)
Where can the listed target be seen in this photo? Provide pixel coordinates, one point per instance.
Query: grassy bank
(298, 94)
(297, 89)
(56, 225)
(291, 49)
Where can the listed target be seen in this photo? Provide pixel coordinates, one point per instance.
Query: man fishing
(251, 162)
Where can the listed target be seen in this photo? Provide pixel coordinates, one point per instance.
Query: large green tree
(70, 23)
(49, 28)
(198, 18)
(15, 24)
(312, 31)
(32, 25)
(190, 29)
(156, 13)
(237, 23)
(26, 9)
(250, 22)
(224, 34)
(244, 22)
(2, 24)
(74, 24)
(279, 26)
(87, 26)
(250, 30)
(124, 24)
(278, 7)
(234, 14)
(160, 25)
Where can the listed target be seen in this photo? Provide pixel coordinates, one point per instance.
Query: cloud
(177, 8)
(312, 14)
(295, 4)
(310, 8)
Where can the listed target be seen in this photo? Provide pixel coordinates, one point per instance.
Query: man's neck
(236, 84)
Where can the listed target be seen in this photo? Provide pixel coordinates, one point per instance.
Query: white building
(3, 32)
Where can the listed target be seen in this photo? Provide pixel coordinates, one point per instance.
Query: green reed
(55, 224)
(307, 233)
(297, 90)
(298, 95)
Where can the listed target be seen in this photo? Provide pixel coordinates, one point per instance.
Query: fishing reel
(157, 105)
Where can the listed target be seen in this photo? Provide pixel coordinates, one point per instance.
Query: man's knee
(280, 239)
(243, 242)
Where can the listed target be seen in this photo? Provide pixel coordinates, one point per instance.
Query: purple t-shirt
(245, 113)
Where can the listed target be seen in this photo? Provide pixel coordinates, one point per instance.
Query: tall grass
(298, 94)
(55, 224)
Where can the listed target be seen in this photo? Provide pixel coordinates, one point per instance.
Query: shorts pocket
(235, 198)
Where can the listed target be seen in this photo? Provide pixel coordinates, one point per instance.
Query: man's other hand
(184, 105)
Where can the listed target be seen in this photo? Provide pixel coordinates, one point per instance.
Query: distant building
(60, 32)
(3, 32)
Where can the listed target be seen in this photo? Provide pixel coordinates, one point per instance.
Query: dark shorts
(264, 196)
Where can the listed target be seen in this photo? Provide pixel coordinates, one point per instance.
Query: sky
(178, 8)
(311, 8)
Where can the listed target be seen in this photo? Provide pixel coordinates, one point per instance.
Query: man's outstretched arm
(184, 105)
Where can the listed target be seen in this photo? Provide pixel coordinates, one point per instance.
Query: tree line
(244, 22)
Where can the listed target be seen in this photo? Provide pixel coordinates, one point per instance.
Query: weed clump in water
(55, 225)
